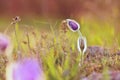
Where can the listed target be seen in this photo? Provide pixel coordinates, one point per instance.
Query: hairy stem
(80, 34)
(15, 28)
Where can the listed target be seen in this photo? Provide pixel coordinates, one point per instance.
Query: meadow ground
(56, 49)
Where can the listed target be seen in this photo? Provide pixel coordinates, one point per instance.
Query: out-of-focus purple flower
(112, 75)
(73, 25)
(4, 43)
(26, 69)
(82, 44)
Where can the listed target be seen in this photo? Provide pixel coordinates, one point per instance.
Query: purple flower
(4, 42)
(73, 25)
(26, 69)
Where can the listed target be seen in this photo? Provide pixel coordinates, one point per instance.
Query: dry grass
(57, 49)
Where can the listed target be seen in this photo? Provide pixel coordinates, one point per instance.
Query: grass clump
(57, 50)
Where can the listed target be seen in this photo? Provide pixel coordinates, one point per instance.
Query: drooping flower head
(82, 44)
(73, 25)
(26, 69)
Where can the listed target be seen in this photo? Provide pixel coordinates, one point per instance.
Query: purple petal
(73, 25)
(27, 69)
(4, 42)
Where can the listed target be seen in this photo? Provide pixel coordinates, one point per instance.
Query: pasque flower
(82, 44)
(22, 68)
(4, 43)
(25, 69)
(73, 25)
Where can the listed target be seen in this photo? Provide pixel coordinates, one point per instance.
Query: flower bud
(82, 44)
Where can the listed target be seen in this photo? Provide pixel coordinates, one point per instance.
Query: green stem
(81, 59)
(80, 34)
(18, 45)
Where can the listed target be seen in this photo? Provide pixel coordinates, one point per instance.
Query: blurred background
(61, 8)
(95, 13)
(107, 10)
